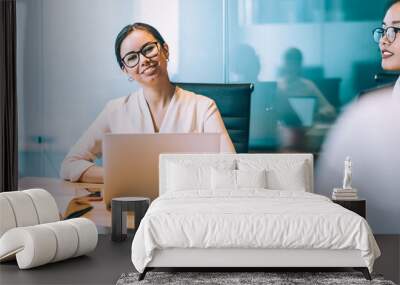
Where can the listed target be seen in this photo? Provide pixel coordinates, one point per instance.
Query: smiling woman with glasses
(388, 38)
(149, 50)
(389, 42)
(159, 106)
(388, 32)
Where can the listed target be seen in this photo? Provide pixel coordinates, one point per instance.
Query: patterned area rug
(269, 278)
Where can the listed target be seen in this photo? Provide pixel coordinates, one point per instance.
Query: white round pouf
(7, 218)
(87, 234)
(31, 232)
(67, 240)
(41, 244)
(23, 208)
(45, 205)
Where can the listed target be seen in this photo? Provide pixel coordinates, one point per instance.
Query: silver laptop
(131, 160)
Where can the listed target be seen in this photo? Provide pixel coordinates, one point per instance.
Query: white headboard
(213, 158)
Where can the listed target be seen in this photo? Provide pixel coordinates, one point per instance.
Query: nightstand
(358, 206)
(119, 208)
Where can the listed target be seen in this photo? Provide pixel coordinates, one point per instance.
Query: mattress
(251, 219)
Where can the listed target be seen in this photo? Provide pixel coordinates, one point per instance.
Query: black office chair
(385, 82)
(330, 88)
(386, 77)
(233, 102)
(381, 89)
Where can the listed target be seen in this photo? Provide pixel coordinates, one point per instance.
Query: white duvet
(251, 218)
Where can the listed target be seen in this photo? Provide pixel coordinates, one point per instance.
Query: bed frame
(242, 259)
(246, 258)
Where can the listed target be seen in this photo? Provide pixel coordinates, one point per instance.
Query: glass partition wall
(307, 59)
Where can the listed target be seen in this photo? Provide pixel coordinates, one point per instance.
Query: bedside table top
(130, 199)
(349, 200)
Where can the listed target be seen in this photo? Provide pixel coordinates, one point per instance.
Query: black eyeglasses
(389, 32)
(149, 50)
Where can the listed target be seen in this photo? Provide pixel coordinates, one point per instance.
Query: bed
(247, 210)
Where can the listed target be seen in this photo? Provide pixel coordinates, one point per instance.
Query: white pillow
(251, 178)
(281, 174)
(181, 177)
(237, 179)
(188, 174)
(293, 179)
(223, 179)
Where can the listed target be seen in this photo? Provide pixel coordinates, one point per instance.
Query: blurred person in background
(293, 84)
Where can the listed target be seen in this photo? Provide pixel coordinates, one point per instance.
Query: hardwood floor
(110, 260)
(389, 262)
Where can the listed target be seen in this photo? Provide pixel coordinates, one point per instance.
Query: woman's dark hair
(130, 28)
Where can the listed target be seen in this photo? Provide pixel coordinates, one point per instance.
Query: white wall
(80, 72)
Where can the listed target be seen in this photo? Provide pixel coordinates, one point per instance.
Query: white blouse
(187, 113)
(396, 90)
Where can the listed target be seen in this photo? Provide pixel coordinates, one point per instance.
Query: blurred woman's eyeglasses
(389, 32)
(149, 50)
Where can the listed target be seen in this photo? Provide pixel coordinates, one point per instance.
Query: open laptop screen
(131, 160)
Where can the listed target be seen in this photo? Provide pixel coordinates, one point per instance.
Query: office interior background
(67, 71)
